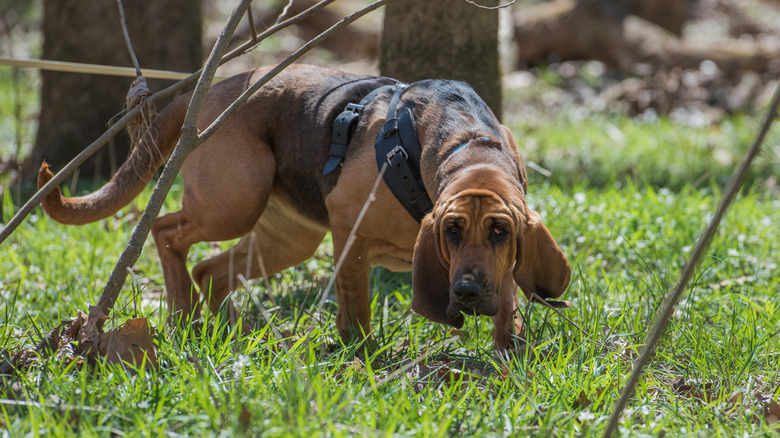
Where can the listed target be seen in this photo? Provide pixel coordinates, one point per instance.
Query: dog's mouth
(483, 306)
(487, 307)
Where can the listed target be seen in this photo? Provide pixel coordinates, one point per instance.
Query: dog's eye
(453, 232)
(498, 234)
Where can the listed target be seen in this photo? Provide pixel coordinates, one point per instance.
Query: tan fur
(259, 178)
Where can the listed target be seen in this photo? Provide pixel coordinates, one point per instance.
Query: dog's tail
(149, 153)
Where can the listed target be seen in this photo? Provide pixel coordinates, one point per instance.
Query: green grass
(627, 234)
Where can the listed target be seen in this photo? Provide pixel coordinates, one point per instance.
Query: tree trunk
(447, 39)
(75, 108)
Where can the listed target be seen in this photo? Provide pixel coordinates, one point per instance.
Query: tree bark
(75, 108)
(448, 39)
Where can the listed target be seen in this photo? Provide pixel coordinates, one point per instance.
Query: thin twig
(127, 37)
(505, 5)
(251, 44)
(663, 317)
(284, 12)
(60, 176)
(95, 69)
(252, 27)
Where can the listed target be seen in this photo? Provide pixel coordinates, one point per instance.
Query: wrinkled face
(478, 241)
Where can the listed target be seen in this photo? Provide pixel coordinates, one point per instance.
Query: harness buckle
(397, 150)
(354, 107)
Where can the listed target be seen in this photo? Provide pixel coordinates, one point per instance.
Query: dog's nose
(466, 290)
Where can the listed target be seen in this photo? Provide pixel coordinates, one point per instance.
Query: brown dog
(261, 175)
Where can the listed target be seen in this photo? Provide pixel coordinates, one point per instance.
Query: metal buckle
(354, 107)
(397, 150)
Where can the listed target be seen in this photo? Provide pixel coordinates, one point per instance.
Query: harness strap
(344, 125)
(398, 146)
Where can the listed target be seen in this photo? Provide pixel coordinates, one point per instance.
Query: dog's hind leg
(227, 184)
(279, 240)
(173, 238)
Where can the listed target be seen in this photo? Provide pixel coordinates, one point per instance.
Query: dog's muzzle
(472, 296)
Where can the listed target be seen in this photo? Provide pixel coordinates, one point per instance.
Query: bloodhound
(260, 177)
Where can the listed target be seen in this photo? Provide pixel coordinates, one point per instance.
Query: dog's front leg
(508, 323)
(353, 318)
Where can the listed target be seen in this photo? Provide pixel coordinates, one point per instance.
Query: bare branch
(127, 37)
(252, 43)
(252, 27)
(284, 11)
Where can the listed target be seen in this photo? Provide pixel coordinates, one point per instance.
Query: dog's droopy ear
(541, 266)
(430, 278)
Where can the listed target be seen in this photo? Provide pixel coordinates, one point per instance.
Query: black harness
(397, 150)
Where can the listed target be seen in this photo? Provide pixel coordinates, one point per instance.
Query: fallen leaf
(770, 407)
(130, 343)
(693, 389)
(582, 401)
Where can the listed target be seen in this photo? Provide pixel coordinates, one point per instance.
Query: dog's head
(479, 230)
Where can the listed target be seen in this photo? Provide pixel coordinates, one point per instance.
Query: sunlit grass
(626, 246)
(625, 199)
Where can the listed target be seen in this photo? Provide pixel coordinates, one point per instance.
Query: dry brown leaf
(770, 407)
(130, 343)
(71, 328)
(693, 389)
(81, 337)
(582, 401)
(450, 375)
